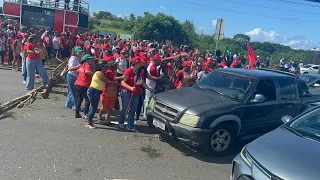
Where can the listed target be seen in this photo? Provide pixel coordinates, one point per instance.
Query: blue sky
(293, 30)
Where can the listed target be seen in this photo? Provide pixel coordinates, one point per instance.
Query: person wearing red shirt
(109, 95)
(183, 77)
(131, 93)
(108, 56)
(34, 63)
(96, 52)
(85, 73)
(64, 45)
(47, 41)
(152, 70)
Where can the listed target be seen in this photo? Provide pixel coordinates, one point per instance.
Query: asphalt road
(44, 141)
(11, 85)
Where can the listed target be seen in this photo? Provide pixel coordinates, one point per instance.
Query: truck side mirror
(286, 118)
(258, 98)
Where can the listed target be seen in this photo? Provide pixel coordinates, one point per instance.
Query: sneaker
(85, 116)
(90, 126)
(24, 82)
(78, 116)
(131, 130)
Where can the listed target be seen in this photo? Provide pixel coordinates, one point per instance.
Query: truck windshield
(232, 86)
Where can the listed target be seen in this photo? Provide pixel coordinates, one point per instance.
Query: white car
(309, 68)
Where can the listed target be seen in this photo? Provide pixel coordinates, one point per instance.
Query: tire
(226, 136)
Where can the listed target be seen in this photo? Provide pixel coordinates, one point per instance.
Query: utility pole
(219, 34)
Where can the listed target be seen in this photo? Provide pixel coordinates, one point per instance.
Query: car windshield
(307, 66)
(308, 125)
(232, 86)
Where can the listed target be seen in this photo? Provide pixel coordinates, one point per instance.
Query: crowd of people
(100, 69)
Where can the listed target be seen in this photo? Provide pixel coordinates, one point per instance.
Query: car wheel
(221, 140)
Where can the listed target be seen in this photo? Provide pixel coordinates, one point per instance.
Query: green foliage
(159, 27)
(241, 38)
(162, 27)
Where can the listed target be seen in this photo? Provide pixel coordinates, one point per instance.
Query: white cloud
(214, 22)
(119, 15)
(296, 42)
(161, 7)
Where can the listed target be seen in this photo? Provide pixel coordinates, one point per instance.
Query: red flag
(252, 57)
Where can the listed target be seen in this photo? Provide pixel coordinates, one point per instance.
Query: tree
(160, 27)
(191, 37)
(241, 38)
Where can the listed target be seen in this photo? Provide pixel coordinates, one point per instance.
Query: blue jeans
(133, 108)
(94, 98)
(32, 66)
(72, 95)
(24, 70)
(147, 99)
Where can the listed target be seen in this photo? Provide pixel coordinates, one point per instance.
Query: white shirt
(55, 42)
(122, 64)
(73, 61)
(151, 83)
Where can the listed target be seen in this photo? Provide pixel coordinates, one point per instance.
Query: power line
(272, 7)
(250, 14)
(296, 3)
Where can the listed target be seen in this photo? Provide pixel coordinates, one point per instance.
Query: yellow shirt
(97, 83)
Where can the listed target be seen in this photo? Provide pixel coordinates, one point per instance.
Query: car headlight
(152, 103)
(190, 120)
(246, 157)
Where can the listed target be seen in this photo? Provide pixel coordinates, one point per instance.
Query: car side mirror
(286, 118)
(258, 98)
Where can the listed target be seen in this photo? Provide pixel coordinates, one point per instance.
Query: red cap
(144, 59)
(136, 59)
(186, 64)
(156, 57)
(96, 47)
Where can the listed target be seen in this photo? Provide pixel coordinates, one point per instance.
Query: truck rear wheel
(221, 140)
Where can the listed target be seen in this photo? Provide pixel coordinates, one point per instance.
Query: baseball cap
(156, 57)
(112, 63)
(136, 59)
(103, 63)
(86, 57)
(78, 49)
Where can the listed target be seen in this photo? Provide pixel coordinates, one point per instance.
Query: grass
(109, 28)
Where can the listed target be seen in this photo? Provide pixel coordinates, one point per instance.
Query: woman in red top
(83, 82)
(183, 77)
(34, 63)
(131, 92)
(109, 95)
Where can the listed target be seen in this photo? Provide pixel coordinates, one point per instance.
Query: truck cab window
(287, 89)
(267, 88)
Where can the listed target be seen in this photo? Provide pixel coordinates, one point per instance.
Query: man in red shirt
(131, 92)
(64, 45)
